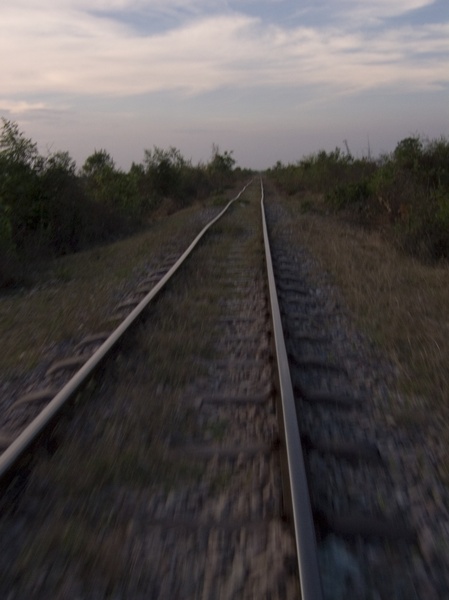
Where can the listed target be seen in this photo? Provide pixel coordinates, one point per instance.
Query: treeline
(405, 194)
(48, 207)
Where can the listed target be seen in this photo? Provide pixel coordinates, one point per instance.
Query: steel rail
(306, 547)
(24, 440)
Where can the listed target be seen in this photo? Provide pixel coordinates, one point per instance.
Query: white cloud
(110, 6)
(68, 52)
(356, 14)
(378, 9)
(18, 107)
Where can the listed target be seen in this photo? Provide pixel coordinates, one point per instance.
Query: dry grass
(402, 304)
(72, 294)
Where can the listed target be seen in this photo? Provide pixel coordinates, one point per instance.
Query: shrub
(322, 173)
(347, 195)
(405, 193)
(47, 208)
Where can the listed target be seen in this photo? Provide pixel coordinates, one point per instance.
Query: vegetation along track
(166, 480)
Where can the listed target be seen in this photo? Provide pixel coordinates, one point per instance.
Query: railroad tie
(307, 337)
(208, 452)
(261, 398)
(95, 338)
(70, 363)
(353, 452)
(43, 395)
(325, 398)
(291, 286)
(127, 304)
(309, 361)
(365, 526)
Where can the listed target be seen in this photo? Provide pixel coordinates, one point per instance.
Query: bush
(354, 195)
(405, 193)
(48, 209)
(322, 173)
(413, 185)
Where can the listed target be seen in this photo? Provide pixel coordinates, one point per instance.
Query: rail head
(306, 547)
(30, 434)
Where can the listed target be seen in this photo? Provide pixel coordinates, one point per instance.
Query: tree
(221, 163)
(98, 164)
(98, 172)
(220, 167)
(61, 162)
(16, 149)
(20, 185)
(408, 153)
(165, 170)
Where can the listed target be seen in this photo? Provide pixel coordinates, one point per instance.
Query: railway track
(181, 473)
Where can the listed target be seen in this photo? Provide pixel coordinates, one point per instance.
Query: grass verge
(71, 295)
(401, 303)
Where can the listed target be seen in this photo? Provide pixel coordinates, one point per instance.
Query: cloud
(380, 9)
(19, 107)
(68, 53)
(110, 7)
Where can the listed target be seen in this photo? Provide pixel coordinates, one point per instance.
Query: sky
(267, 79)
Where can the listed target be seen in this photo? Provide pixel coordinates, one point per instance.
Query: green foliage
(167, 174)
(220, 167)
(48, 209)
(16, 150)
(408, 154)
(164, 169)
(221, 163)
(61, 163)
(413, 186)
(436, 163)
(322, 173)
(443, 209)
(98, 165)
(405, 193)
(20, 168)
(116, 193)
(349, 195)
(45, 209)
(8, 258)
